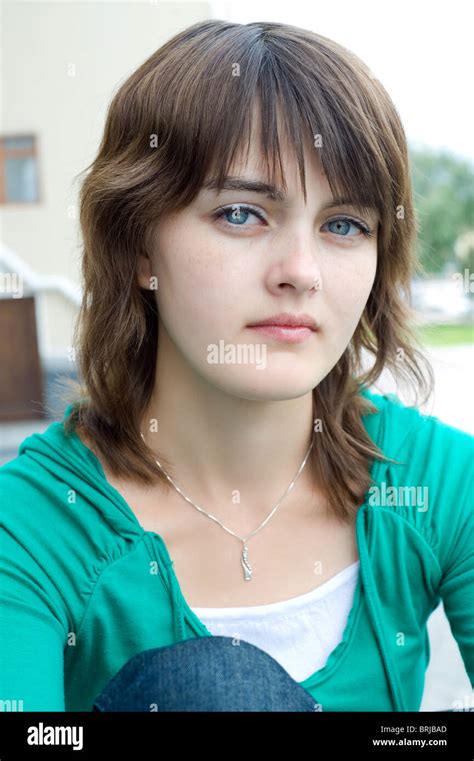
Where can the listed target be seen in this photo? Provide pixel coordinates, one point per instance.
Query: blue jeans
(204, 674)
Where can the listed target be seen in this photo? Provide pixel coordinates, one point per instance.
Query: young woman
(225, 494)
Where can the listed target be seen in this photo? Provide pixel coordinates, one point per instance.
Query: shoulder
(56, 540)
(431, 484)
(424, 441)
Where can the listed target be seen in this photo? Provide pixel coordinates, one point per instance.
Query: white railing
(33, 283)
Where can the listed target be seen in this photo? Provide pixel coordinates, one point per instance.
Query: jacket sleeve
(457, 582)
(32, 636)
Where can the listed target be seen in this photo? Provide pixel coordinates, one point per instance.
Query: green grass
(446, 334)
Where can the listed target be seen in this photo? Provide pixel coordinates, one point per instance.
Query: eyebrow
(272, 192)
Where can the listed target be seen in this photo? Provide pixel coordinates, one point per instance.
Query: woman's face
(215, 276)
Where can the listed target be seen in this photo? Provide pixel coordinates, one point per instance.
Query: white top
(300, 633)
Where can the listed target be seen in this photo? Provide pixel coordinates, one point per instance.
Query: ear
(144, 272)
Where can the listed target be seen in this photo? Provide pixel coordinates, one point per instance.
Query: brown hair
(182, 115)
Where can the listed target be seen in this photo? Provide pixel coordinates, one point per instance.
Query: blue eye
(236, 211)
(343, 221)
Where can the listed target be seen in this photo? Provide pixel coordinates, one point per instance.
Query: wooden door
(21, 387)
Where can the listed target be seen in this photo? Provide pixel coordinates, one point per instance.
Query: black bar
(431, 734)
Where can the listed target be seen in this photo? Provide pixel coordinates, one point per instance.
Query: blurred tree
(443, 186)
(464, 250)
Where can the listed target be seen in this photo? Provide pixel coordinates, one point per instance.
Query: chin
(265, 385)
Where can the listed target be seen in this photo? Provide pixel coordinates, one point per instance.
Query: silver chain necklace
(244, 554)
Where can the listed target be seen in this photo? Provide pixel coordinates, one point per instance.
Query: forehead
(252, 157)
(249, 172)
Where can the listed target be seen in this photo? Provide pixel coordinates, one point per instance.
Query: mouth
(289, 334)
(287, 327)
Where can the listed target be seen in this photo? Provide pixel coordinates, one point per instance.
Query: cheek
(195, 292)
(347, 291)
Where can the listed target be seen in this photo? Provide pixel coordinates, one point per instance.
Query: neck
(221, 449)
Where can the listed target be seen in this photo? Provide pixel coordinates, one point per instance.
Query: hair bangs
(267, 99)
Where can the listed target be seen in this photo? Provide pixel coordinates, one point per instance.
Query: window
(18, 170)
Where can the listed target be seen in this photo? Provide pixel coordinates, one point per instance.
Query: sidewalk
(452, 400)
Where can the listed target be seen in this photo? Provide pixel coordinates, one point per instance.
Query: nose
(297, 266)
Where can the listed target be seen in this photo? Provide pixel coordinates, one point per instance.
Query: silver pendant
(245, 564)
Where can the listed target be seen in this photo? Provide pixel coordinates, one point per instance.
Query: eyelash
(242, 207)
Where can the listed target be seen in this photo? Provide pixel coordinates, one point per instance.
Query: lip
(293, 335)
(286, 319)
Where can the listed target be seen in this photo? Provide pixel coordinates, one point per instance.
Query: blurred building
(55, 94)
